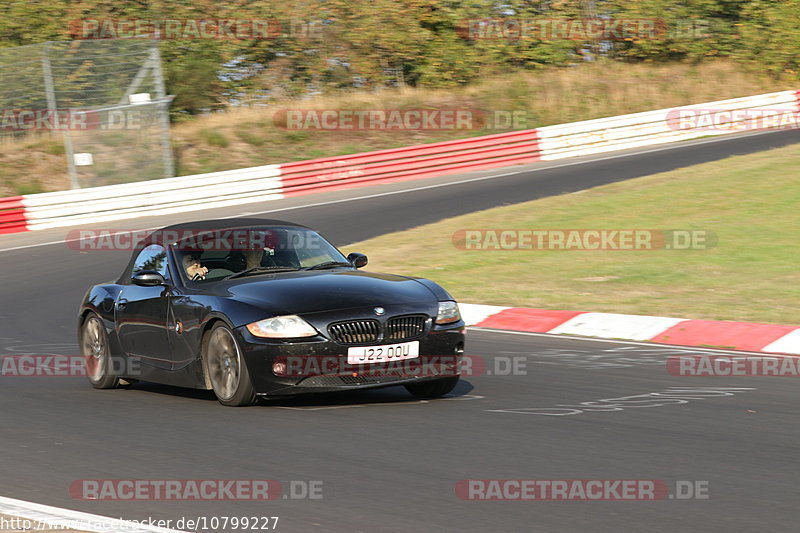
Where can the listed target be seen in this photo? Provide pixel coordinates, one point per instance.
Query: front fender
(435, 288)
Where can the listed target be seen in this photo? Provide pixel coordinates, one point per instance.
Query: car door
(184, 332)
(142, 313)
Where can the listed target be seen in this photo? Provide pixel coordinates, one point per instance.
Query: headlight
(282, 327)
(448, 312)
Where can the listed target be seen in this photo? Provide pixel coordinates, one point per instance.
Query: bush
(215, 138)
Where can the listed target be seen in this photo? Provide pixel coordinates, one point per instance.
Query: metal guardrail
(156, 197)
(407, 163)
(652, 127)
(12, 215)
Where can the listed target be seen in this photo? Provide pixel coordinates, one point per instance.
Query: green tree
(770, 37)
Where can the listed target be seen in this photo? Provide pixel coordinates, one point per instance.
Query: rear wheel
(429, 390)
(225, 367)
(96, 353)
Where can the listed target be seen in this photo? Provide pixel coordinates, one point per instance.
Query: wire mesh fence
(105, 99)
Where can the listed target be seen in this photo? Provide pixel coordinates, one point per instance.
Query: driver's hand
(196, 271)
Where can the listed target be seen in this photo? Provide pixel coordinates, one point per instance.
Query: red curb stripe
(409, 162)
(746, 336)
(415, 164)
(533, 320)
(328, 163)
(13, 228)
(393, 177)
(11, 202)
(12, 215)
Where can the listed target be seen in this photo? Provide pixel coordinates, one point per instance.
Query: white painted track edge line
(54, 515)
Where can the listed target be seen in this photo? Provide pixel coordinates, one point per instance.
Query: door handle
(121, 303)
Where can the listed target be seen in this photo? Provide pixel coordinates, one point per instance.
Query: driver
(193, 268)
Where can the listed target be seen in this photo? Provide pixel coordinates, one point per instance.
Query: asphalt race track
(544, 408)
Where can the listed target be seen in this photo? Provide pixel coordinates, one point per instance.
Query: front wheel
(96, 353)
(428, 390)
(226, 369)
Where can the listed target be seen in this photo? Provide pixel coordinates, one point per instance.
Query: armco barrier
(415, 162)
(650, 127)
(12, 215)
(157, 197)
(234, 187)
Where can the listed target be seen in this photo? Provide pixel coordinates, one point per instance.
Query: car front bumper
(320, 365)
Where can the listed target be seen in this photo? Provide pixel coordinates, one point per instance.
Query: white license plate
(365, 355)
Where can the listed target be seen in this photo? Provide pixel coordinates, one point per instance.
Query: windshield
(217, 255)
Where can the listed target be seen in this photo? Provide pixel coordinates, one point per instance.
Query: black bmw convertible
(255, 308)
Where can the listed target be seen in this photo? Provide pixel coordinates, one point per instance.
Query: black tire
(429, 390)
(225, 367)
(96, 353)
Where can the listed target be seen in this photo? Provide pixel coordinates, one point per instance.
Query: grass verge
(750, 202)
(247, 136)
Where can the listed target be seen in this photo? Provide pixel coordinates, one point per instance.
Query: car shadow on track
(390, 395)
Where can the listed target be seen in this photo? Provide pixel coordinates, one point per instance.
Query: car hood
(311, 292)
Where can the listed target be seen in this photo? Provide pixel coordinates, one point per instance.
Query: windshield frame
(326, 246)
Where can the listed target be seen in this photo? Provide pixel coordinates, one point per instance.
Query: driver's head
(190, 260)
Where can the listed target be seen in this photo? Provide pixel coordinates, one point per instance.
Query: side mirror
(357, 260)
(148, 278)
